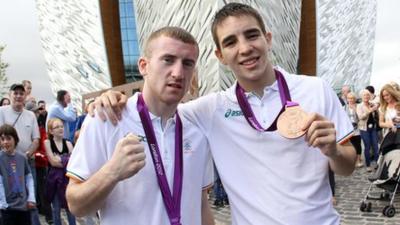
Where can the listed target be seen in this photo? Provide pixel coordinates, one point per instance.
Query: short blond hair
(172, 32)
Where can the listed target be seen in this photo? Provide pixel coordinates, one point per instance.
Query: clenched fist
(128, 157)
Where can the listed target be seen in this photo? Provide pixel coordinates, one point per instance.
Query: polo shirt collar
(136, 117)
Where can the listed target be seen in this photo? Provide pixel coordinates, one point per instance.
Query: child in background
(58, 150)
(17, 195)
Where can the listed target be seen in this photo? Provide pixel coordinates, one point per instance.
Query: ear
(268, 38)
(220, 57)
(142, 65)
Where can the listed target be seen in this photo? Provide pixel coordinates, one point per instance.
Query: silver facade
(345, 36)
(74, 49)
(73, 45)
(281, 17)
(345, 41)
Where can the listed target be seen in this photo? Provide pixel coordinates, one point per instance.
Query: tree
(3, 76)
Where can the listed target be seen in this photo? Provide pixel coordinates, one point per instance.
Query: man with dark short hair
(63, 110)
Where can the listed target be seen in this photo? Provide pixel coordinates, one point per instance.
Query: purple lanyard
(246, 108)
(172, 202)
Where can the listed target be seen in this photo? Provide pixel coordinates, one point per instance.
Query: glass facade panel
(130, 47)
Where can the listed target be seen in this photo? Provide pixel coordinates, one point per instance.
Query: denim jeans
(370, 139)
(57, 213)
(218, 189)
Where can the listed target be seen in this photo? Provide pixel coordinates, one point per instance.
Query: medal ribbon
(172, 202)
(248, 112)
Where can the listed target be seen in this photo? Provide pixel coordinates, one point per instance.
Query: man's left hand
(321, 134)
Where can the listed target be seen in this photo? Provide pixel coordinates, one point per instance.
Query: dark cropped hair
(60, 95)
(371, 89)
(8, 130)
(234, 9)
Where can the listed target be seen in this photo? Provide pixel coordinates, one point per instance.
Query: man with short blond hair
(154, 167)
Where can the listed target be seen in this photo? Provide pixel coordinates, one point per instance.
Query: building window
(130, 45)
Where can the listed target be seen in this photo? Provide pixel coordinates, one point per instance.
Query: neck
(17, 108)
(57, 139)
(62, 104)
(159, 108)
(10, 153)
(257, 86)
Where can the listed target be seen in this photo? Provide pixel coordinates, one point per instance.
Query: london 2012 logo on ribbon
(232, 113)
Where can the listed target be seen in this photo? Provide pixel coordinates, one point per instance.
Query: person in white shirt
(154, 167)
(270, 179)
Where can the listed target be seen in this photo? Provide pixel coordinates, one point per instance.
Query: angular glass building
(94, 45)
(130, 44)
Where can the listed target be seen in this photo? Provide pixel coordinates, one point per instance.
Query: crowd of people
(152, 162)
(36, 146)
(372, 116)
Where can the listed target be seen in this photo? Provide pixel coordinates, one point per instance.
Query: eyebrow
(252, 30)
(246, 32)
(228, 39)
(167, 55)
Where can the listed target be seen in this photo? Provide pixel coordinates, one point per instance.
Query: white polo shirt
(270, 179)
(25, 124)
(138, 200)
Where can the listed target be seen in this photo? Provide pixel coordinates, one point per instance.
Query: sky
(386, 64)
(19, 32)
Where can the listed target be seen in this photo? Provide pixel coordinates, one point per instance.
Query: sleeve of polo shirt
(90, 151)
(200, 111)
(336, 114)
(208, 179)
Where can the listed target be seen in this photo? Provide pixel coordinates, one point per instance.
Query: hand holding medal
(321, 133)
(292, 122)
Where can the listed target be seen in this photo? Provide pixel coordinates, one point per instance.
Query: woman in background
(58, 150)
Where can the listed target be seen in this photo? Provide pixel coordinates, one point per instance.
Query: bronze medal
(291, 121)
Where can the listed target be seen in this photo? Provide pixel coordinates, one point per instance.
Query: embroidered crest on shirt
(187, 147)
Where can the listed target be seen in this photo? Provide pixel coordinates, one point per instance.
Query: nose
(178, 70)
(245, 47)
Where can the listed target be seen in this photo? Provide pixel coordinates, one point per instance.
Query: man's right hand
(128, 158)
(109, 105)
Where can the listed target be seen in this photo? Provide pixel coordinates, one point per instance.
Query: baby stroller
(387, 176)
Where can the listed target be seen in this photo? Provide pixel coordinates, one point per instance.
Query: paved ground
(350, 192)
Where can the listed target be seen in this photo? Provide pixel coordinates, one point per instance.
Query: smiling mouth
(249, 62)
